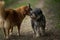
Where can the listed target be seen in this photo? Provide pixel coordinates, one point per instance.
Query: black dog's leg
(32, 24)
(43, 30)
(43, 24)
(36, 29)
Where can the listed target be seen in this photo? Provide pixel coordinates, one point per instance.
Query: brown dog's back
(12, 16)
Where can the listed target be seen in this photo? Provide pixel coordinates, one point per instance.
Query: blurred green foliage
(9, 2)
(15, 3)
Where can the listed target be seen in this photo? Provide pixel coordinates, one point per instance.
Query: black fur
(38, 21)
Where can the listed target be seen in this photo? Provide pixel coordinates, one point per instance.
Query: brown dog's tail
(2, 3)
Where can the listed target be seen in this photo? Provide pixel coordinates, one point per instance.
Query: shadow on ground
(28, 36)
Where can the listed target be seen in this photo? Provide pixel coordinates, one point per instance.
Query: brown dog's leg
(6, 28)
(6, 33)
(19, 30)
(11, 30)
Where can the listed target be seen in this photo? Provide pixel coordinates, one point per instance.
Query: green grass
(32, 2)
(58, 26)
(9, 2)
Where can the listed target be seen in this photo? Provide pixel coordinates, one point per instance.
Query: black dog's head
(36, 13)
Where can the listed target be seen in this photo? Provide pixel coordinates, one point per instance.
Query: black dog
(38, 21)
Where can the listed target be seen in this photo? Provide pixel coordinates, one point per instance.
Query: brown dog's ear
(29, 5)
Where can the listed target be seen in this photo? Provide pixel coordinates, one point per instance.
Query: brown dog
(14, 17)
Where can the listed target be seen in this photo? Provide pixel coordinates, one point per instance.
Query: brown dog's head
(25, 10)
